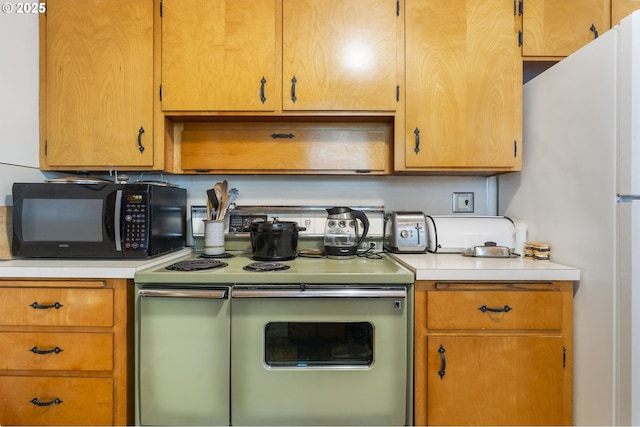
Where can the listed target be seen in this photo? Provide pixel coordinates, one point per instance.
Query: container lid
(275, 225)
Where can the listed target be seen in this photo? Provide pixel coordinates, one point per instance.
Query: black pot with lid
(274, 240)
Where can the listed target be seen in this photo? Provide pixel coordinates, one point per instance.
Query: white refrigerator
(579, 190)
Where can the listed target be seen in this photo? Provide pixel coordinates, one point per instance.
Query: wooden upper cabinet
(463, 87)
(622, 8)
(218, 55)
(279, 55)
(553, 28)
(97, 84)
(340, 54)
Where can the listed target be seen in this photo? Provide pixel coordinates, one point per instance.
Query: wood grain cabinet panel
(218, 55)
(66, 352)
(97, 91)
(494, 310)
(51, 351)
(56, 401)
(493, 353)
(56, 307)
(496, 380)
(463, 88)
(271, 147)
(622, 8)
(340, 55)
(553, 28)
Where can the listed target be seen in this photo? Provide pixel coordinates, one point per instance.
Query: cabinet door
(463, 84)
(218, 55)
(495, 380)
(339, 55)
(559, 28)
(622, 8)
(99, 84)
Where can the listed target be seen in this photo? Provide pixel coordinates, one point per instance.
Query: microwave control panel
(135, 222)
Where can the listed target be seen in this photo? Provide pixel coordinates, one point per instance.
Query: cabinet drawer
(494, 310)
(56, 307)
(56, 351)
(56, 401)
(287, 146)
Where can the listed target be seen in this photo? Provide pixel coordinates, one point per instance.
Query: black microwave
(97, 220)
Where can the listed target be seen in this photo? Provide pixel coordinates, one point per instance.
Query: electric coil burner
(197, 264)
(218, 256)
(266, 266)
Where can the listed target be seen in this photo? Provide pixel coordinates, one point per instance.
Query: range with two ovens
(306, 341)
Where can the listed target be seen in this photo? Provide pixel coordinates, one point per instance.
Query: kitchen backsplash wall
(430, 194)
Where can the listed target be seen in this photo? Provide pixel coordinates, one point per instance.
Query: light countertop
(81, 268)
(425, 267)
(457, 267)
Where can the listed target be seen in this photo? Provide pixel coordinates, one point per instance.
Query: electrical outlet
(462, 202)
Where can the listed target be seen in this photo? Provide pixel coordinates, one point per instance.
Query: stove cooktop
(231, 270)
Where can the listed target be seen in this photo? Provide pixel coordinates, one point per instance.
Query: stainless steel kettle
(341, 236)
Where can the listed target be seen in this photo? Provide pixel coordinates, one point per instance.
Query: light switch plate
(463, 202)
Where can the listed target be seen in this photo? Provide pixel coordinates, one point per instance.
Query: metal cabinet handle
(594, 30)
(140, 132)
(443, 362)
(37, 402)
(263, 98)
(36, 350)
(504, 309)
(294, 98)
(282, 135)
(416, 132)
(37, 306)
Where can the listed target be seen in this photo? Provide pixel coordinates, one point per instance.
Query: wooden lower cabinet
(493, 353)
(66, 351)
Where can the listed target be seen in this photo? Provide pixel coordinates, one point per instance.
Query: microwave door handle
(117, 216)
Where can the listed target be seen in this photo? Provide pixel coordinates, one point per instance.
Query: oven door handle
(184, 293)
(319, 293)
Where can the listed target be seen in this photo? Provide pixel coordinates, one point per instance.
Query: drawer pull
(37, 402)
(37, 306)
(504, 309)
(36, 350)
(443, 362)
(282, 135)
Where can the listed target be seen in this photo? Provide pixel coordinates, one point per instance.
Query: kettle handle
(365, 222)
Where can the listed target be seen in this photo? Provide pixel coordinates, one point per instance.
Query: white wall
(18, 101)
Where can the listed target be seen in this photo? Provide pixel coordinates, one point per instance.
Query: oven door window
(318, 344)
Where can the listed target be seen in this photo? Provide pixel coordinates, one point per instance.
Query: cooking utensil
(221, 199)
(212, 203)
(225, 203)
(274, 240)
